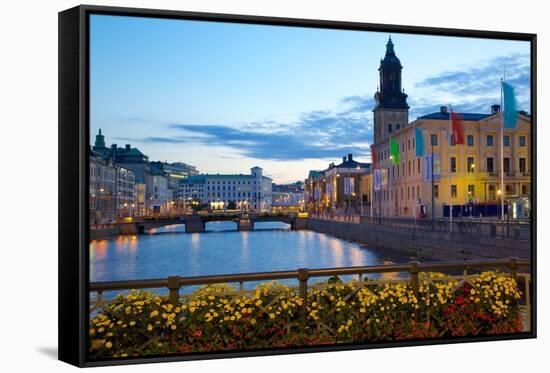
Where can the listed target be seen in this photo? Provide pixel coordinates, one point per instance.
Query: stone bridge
(197, 223)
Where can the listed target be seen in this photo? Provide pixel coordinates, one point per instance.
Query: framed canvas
(235, 185)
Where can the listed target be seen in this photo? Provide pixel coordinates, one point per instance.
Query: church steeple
(391, 95)
(391, 112)
(99, 141)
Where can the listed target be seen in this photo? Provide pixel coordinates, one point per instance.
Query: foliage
(217, 317)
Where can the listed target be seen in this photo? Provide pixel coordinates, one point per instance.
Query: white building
(157, 195)
(236, 191)
(126, 192)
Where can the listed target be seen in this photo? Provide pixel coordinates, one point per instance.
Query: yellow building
(470, 172)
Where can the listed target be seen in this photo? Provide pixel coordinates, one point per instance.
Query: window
(409, 167)
(436, 191)
(522, 141)
(397, 126)
(452, 140)
(471, 190)
(418, 165)
(470, 140)
(470, 164)
(490, 166)
(490, 140)
(506, 140)
(389, 128)
(453, 164)
(409, 144)
(524, 189)
(522, 165)
(453, 191)
(433, 139)
(506, 164)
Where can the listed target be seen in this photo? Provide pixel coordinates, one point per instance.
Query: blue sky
(226, 97)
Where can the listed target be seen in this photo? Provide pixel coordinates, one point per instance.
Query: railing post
(303, 276)
(414, 277)
(174, 288)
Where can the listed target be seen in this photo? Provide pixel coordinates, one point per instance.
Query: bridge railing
(303, 276)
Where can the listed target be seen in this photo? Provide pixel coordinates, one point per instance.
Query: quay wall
(422, 244)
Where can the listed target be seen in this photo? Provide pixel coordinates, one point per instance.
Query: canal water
(168, 251)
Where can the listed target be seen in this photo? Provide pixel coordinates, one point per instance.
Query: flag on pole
(510, 106)
(419, 140)
(373, 156)
(394, 151)
(458, 129)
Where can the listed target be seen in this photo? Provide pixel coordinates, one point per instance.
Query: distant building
(288, 197)
(157, 195)
(126, 192)
(102, 189)
(244, 192)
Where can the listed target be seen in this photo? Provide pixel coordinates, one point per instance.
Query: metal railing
(174, 283)
(514, 229)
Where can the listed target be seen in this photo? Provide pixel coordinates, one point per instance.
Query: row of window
(490, 140)
(470, 166)
(454, 193)
(233, 182)
(434, 140)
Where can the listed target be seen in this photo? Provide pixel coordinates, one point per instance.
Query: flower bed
(217, 318)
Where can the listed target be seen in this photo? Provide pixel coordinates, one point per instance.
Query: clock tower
(391, 112)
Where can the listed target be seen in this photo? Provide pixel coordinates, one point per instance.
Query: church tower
(99, 141)
(391, 112)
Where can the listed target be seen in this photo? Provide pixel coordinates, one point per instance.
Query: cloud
(475, 88)
(330, 134)
(323, 134)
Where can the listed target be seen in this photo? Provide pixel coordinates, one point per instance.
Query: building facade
(126, 192)
(102, 189)
(339, 187)
(465, 175)
(288, 197)
(235, 191)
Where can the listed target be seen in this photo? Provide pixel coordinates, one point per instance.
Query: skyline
(250, 112)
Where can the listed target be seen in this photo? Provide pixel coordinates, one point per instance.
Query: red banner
(458, 130)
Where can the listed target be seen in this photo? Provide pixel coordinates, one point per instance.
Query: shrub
(217, 317)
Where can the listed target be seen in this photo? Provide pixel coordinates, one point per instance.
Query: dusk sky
(227, 97)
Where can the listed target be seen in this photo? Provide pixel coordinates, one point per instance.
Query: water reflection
(221, 251)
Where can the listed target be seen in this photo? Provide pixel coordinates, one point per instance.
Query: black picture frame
(73, 165)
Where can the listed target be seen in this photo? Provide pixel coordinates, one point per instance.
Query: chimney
(350, 157)
(443, 109)
(127, 146)
(495, 109)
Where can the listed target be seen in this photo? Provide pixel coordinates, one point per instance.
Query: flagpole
(390, 180)
(414, 174)
(450, 170)
(501, 153)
